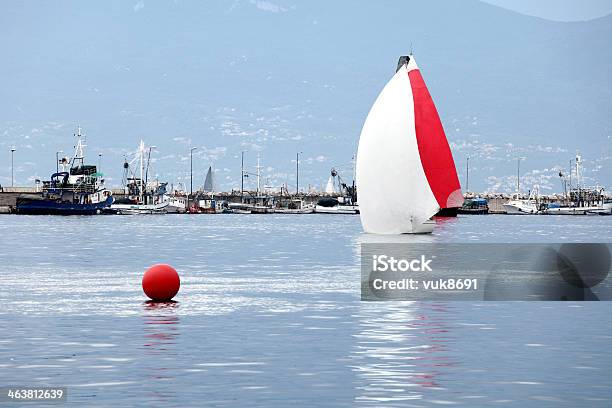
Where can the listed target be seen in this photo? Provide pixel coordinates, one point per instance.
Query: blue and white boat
(78, 190)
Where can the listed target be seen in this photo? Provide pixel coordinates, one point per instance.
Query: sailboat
(405, 168)
(208, 205)
(208, 181)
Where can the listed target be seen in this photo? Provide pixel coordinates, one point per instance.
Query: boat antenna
(410, 48)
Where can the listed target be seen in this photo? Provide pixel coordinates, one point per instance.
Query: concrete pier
(8, 198)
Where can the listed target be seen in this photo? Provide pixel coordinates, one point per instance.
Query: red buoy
(161, 282)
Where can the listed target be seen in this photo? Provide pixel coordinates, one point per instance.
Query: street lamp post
(190, 175)
(242, 178)
(99, 162)
(12, 167)
(297, 173)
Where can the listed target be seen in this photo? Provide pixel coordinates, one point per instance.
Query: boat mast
(141, 152)
(467, 175)
(258, 175)
(79, 148)
(578, 168)
(242, 178)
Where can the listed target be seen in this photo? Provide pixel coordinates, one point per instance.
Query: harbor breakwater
(8, 198)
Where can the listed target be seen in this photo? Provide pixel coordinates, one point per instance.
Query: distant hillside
(274, 78)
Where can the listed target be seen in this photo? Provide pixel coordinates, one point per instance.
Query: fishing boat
(141, 195)
(295, 206)
(336, 205)
(343, 199)
(582, 201)
(135, 209)
(177, 204)
(474, 206)
(405, 168)
(579, 199)
(250, 208)
(78, 190)
(240, 208)
(262, 209)
(520, 206)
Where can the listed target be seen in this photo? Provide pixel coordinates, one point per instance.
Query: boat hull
(294, 210)
(135, 209)
(339, 209)
(40, 206)
(473, 211)
(447, 212)
(520, 209)
(262, 210)
(576, 211)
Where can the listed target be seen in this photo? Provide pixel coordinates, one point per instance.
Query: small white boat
(337, 209)
(176, 204)
(240, 208)
(295, 207)
(516, 206)
(262, 209)
(133, 209)
(309, 210)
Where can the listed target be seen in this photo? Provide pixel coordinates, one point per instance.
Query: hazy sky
(277, 77)
(558, 10)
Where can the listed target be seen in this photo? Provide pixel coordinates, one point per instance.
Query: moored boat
(474, 206)
(295, 206)
(518, 206)
(342, 200)
(134, 209)
(583, 201)
(340, 205)
(176, 204)
(579, 199)
(141, 195)
(78, 191)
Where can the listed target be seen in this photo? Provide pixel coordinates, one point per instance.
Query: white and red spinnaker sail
(405, 169)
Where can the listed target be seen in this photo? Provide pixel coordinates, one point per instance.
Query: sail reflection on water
(402, 351)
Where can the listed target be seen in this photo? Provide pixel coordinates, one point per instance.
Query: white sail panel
(329, 188)
(209, 181)
(394, 195)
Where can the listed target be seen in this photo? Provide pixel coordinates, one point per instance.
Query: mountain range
(273, 78)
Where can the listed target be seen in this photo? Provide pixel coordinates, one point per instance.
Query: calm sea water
(269, 315)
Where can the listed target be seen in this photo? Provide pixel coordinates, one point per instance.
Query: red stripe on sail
(435, 153)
